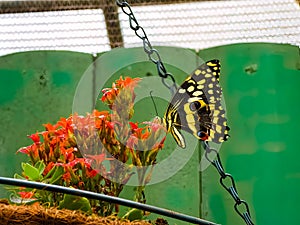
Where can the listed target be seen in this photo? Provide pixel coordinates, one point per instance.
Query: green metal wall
(260, 84)
(261, 87)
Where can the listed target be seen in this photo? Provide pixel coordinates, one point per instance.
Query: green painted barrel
(260, 83)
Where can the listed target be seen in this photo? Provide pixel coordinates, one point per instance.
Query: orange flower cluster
(57, 146)
(76, 150)
(126, 85)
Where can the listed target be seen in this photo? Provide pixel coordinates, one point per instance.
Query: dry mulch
(39, 215)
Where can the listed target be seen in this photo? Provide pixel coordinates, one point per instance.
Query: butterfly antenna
(153, 103)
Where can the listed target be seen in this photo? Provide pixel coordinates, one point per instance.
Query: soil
(39, 215)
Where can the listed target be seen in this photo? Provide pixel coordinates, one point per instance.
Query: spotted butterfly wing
(196, 107)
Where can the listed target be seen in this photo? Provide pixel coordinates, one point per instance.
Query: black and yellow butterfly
(196, 107)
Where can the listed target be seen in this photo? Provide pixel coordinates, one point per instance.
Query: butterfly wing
(196, 107)
(173, 123)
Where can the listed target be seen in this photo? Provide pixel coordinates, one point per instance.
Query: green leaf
(40, 165)
(50, 173)
(31, 172)
(134, 214)
(75, 203)
(18, 176)
(58, 172)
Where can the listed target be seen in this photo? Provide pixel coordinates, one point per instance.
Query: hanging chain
(152, 53)
(228, 183)
(240, 206)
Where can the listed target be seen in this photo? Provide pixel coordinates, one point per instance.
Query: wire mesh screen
(79, 30)
(99, 25)
(207, 24)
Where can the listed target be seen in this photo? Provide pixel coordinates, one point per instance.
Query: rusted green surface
(35, 88)
(261, 87)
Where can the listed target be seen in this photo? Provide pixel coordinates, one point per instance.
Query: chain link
(154, 56)
(228, 183)
(152, 53)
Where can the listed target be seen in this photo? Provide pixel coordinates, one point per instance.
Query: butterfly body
(196, 107)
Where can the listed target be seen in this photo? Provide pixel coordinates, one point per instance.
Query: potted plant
(95, 152)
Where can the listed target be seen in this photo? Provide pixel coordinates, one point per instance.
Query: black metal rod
(102, 197)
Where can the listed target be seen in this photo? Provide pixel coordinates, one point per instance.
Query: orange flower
(48, 168)
(67, 153)
(26, 194)
(141, 133)
(128, 82)
(82, 161)
(90, 173)
(155, 125)
(32, 151)
(25, 150)
(49, 127)
(151, 136)
(67, 177)
(66, 124)
(100, 114)
(35, 138)
(109, 95)
(81, 184)
(110, 125)
(134, 126)
(98, 158)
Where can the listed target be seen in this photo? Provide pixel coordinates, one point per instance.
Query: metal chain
(162, 72)
(240, 206)
(152, 53)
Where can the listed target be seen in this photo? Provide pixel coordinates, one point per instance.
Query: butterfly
(196, 107)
